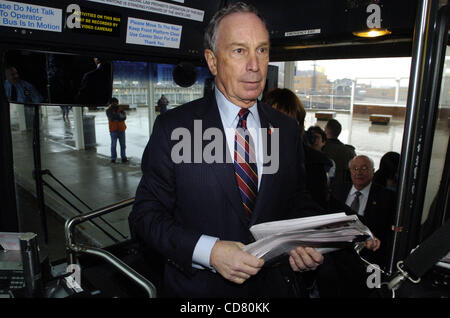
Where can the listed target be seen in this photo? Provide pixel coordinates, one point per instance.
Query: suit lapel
(341, 191)
(224, 171)
(371, 201)
(267, 180)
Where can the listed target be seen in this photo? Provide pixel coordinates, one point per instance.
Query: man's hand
(372, 244)
(230, 261)
(304, 259)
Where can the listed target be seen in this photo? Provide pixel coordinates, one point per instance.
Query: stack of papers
(326, 233)
(445, 261)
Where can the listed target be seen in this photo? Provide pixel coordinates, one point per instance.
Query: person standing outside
(65, 112)
(117, 127)
(162, 103)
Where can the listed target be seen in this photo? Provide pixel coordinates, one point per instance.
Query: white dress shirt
(229, 116)
(362, 198)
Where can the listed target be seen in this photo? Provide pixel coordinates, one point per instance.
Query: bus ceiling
(168, 32)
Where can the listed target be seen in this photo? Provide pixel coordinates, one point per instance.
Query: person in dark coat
(387, 174)
(317, 163)
(316, 138)
(96, 85)
(340, 153)
(162, 103)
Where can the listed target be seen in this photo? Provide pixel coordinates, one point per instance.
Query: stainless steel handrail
(113, 260)
(409, 165)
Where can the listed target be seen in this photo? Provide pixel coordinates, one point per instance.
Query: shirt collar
(364, 191)
(229, 111)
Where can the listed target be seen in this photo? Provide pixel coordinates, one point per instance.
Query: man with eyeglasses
(361, 173)
(372, 203)
(343, 274)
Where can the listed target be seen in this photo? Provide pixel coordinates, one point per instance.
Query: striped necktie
(245, 164)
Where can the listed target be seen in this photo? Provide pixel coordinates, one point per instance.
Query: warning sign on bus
(92, 21)
(29, 16)
(160, 7)
(152, 33)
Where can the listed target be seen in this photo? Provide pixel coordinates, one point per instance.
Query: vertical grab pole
(37, 171)
(411, 121)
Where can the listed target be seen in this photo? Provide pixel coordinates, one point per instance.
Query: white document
(326, 233)
(445, 261)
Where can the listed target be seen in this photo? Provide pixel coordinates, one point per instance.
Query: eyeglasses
(363, 169)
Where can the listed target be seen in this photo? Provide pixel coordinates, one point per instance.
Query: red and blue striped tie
(245, 164)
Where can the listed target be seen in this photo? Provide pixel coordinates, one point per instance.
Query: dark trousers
(342, 275)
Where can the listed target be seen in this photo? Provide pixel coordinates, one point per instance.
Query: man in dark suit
(96, 85)
(340, 153)
(343, 273)
(196, 211)
(374, 204)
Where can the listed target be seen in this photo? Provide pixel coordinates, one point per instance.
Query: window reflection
(131, 84)
(75, 140)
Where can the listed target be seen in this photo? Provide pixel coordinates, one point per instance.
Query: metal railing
(65, 199)
(73, 247)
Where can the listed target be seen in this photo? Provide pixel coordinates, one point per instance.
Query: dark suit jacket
(343, 273)
(378, 216)
(96, 86)
(178, 202)
(316, 175)
(341, 154)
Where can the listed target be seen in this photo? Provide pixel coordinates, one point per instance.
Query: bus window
(438, 155)
(352, 90)
(50, 78)
(75, 140)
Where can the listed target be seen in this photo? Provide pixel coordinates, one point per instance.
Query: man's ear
(210, 58)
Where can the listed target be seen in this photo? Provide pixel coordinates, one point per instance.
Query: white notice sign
(152, 33)
(158, 7)
(29, 16)
(302, 32)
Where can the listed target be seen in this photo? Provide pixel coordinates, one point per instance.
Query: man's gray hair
(372, 164)
(210, 37)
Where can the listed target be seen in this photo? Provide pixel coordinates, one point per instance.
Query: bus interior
(61, 189)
